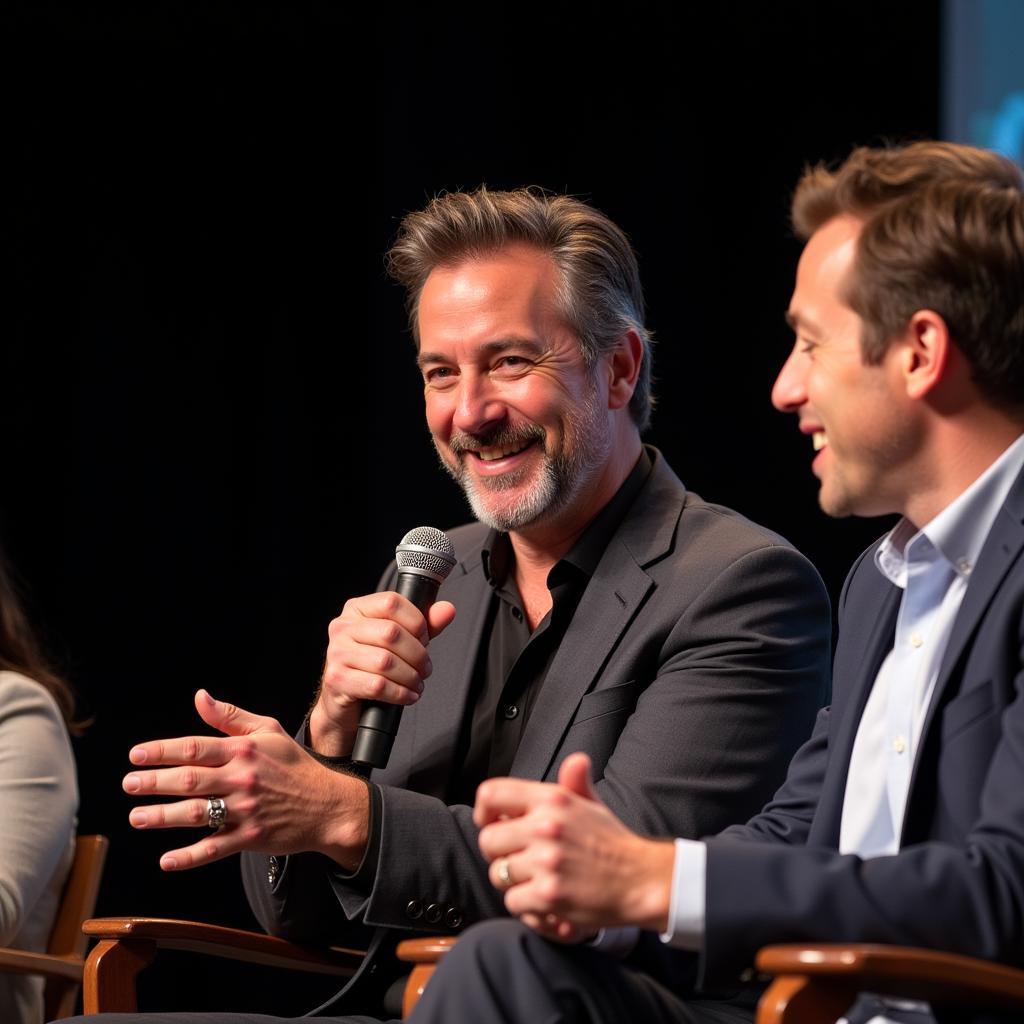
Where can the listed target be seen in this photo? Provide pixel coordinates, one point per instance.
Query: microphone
(425, 557)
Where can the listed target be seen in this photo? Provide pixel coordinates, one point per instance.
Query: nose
(477, 405)
(789, 391)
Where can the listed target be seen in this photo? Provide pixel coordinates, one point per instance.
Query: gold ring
(504, 875)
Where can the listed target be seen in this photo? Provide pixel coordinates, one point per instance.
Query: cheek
(439, 416)
(543, 400)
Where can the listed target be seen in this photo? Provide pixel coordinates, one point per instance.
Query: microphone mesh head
(427, 550)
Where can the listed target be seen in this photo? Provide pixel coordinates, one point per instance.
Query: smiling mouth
(502, 452)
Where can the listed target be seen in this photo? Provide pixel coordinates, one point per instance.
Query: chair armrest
(22, 961)
(227, 943)
(425, 954)
(836, 973)
(129, 944)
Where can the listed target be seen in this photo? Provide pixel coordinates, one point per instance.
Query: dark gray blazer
(690, 673)
(957, 882)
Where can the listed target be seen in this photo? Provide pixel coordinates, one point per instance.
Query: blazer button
(434, 913)
(453, 918)
(511, 711)
(414, 909)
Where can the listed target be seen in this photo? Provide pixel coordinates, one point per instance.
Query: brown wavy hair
(20, 651)
(943, 230)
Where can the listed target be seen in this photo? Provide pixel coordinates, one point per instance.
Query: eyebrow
(798, 323)
(488, 348)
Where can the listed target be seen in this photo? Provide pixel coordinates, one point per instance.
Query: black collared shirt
(513, 663)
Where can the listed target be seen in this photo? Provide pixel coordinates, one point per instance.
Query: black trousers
(504, 973)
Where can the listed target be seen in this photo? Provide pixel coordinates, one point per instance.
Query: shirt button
(964, 566)
(517, 614)
(434, 913)
(511, 711)
(916, 639)
(899, 744)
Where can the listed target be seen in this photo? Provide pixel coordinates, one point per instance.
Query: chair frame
(127, 945)
(811, 984)
(63, 963)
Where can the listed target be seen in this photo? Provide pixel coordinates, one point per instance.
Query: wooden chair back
(78, 903)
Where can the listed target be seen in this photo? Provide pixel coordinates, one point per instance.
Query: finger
(553, 927)
(187, 780)
(385, 605)
(208, 751)
(504, 797)
(531, 896)
(181, 814)
(439, 617)
(386, 635)
(514, 835)
(357, 670)
(215, 846)
(574, 775)
(504, 875)
(232, 720)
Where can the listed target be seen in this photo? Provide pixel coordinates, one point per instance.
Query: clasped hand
(567, 865)
(276, 797)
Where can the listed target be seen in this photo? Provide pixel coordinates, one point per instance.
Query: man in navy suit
(902, 818)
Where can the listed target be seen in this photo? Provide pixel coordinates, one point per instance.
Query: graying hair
(600, 298)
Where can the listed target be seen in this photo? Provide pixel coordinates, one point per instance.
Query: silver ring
(216, 812)
(504, 875)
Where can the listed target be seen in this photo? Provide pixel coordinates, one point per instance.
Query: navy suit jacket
(957, 882)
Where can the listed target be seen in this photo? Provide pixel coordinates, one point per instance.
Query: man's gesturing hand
(567, 865)
(377, 651)
(277, 798)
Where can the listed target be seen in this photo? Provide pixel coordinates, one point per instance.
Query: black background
(213, 424)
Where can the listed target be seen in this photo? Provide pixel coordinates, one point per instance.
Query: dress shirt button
(916, 639)
(434, 913)
(414, 909)
(453, 918)
(964, 566)
(511, 711)
(517, 614)
(899, 744)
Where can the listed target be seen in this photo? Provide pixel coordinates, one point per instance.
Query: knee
(490, 937)
(492, 947)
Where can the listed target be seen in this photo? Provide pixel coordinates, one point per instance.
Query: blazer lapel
(607, 607)
(609, 603)
(869, 648)
(1001, 550)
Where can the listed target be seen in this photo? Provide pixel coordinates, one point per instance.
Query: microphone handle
(378, 722)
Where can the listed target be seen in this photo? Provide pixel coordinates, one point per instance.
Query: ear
(624, 363)
(926, 349)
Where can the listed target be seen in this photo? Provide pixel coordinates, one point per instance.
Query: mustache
(505, 436)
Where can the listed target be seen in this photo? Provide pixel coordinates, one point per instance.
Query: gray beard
(561, 477)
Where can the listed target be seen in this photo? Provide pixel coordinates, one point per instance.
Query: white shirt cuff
(686, 907)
